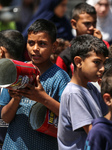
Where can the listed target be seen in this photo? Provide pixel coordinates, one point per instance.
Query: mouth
(99, 76)
(36, 56)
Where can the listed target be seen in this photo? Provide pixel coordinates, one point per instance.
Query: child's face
(102, 8)
(93, 67)
(61, 9)
(85, 24)
(39, 47)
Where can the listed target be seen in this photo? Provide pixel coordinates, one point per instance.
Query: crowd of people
(74, 83)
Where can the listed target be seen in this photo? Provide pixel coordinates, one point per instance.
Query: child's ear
(78, 61)
(73, 23)
(107, 99)
(55, 45)
(2, 52)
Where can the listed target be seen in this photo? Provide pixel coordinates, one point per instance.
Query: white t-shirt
(79, 106)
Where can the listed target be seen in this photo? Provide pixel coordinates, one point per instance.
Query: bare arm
(8, 111)
(39, 95)
(87, 128)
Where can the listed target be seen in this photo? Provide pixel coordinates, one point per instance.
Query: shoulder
(56, 71)
(99, 127)
(55, 75)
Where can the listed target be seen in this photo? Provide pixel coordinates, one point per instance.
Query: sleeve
(79, 111)
(4, 97)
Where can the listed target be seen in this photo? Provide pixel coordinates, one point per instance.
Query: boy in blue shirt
(100, 136)
(81, 102)
(51, 83)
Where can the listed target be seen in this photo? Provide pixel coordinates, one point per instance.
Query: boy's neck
(78, 79)
(109, 115)
(44, 66)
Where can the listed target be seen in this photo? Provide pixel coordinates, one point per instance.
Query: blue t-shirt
(78, 107)
(3, 125)
(100, 136)
(20, 135)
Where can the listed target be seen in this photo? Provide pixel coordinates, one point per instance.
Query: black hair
(106, 83)
(42, 25)
(107, 65)
(13, 41)
(82, 8)
(83, 44)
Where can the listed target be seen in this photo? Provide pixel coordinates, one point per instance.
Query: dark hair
(13, 41)
(107, 65)
(42, 25)
(106, 83)
(110, 51)
(82, 8)
(83, 44)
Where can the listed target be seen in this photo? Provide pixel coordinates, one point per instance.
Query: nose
(91, 27)
(102, 69)
(103, 8)
(36, 47)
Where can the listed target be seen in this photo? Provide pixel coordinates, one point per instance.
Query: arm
(87, 128)
(38, 94)
(8, 111)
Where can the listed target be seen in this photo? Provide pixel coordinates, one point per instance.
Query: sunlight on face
(102, 8)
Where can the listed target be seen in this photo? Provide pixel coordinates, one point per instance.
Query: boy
(84, 22)
(81, 102)
(11, 46)
(40, 44)
(100, 136)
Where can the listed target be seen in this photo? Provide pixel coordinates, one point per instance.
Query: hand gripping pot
(43, 120)
(16, 74)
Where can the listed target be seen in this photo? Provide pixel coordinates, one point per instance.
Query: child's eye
(87, 23)
(31, 43)
(42, 43)
(97, 62)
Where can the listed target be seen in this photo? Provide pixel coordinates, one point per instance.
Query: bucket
(16, 74)
(43, 120)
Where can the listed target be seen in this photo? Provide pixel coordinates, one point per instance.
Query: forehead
(103, 2)
(93, 55)
(87, 17)
(39, 36)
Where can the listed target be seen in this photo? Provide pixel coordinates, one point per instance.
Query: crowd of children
(64, 86)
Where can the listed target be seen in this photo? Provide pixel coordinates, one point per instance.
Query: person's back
(84, 22)
(100, 136)
(81, 102)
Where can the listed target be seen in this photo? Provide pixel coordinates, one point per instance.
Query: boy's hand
(14, 94)
(32, 92)
(97, 33)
